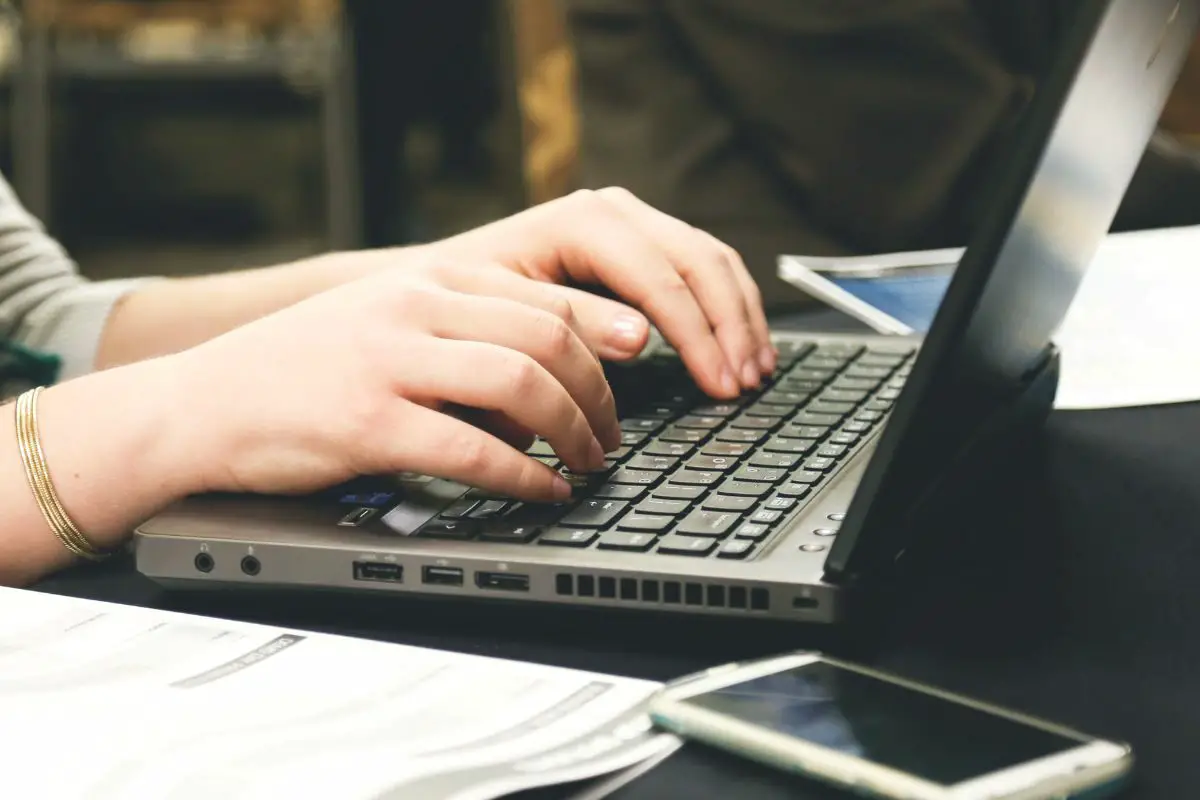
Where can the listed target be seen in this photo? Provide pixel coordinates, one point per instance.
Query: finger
(707, 270)
(545, 337)
(496, 378)
(602, 247)
(768, 358)
(441, 446)
(499, 281)
(496, 424)
(617, 331)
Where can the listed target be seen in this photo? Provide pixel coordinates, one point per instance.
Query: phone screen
(940, 741)
(911, 295)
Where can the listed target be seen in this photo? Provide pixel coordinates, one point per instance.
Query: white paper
(102, 701)
(1132, 335)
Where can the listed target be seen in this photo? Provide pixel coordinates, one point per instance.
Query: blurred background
(184, 136)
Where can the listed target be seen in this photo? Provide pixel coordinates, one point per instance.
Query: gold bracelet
(34, 459)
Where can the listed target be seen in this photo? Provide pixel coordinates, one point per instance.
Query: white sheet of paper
(1132, 335)
(103, 701)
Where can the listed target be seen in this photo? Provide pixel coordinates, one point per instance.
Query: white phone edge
(1093, 765)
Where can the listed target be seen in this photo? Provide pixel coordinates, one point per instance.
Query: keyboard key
(672, 449)
(728, 502)
(854, 384)
(782, 444)
(775, 460)
(686, 546)
(736, 549)
(843, 395)
(594, 514)
(460, 508)
(656, 463)
(632, 438)
(889, 394)
(780, 503)
(674, 492)
(832, 450)
(741, 435)
(488, 509)
(647, 523)
(641, 425)
(807, 417)
(716, 410)
(637, 477)
(857, 426)
(818, 376)
(540, 447)
(629, 542)
(568, 537)
(806, 476)
(766, 516)
(819, 464)
(796, 490)
(744, 488)
(688, 435)
(792, 384)
(725, 449)
(818, 361)
(839, 349)
(863, 371)
(656, 505)
(749, 422)
(868, 415)
(781, 397)
(712, 463)
(778, 412)
(752, 531)
(708, 523)
(691, 477)
(879, 405)
(521, 534)
(450, 529)
(881, 360)
(617, 491)
(845, 437)
(702, 423)
(749, 473)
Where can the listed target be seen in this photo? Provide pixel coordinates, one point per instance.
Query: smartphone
(881, 736)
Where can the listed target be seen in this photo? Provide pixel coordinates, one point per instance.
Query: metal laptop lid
(1077, 148)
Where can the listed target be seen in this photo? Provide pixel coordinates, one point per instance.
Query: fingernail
(729, 384)
(562, 489)
(767, 359)
(613, 438)
(750, 375)
(596, 455)
(629, 331)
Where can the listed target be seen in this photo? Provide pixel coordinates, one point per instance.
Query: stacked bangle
(34, 460)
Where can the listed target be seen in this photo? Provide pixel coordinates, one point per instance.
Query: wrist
(119, 447)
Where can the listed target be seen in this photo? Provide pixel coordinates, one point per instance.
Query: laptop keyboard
(701, 478)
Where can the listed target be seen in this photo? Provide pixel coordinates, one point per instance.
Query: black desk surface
(1082, 607)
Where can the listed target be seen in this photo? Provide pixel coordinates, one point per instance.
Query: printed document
(109, 702)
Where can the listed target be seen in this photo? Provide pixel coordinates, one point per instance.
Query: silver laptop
(797, 499)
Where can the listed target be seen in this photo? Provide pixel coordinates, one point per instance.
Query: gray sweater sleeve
(45, 303)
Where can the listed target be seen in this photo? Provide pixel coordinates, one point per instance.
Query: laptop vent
(663, 593)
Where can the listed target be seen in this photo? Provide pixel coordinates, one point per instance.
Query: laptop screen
(1064, 177)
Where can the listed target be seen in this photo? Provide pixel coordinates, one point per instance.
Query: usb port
(502, 581)
(377, 571)
(442, 576)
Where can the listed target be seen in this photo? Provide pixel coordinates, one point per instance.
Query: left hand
(693, 287)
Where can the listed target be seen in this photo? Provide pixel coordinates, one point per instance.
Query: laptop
(792, 501)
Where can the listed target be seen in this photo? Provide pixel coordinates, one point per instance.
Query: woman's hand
(694, 288)
(446, 370)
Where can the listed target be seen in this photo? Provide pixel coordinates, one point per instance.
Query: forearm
(172, 315)
(114, 459)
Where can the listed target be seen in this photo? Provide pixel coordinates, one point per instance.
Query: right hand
(376, 377)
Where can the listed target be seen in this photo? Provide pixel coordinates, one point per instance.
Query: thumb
(616, 332)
